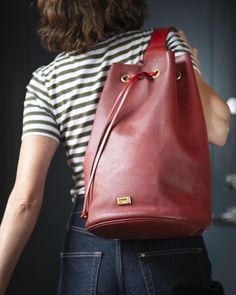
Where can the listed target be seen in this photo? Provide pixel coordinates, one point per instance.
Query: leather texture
(149, 141)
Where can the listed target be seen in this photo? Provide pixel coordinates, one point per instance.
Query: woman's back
(62, 96)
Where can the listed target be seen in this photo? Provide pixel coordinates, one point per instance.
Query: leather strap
(157, 43)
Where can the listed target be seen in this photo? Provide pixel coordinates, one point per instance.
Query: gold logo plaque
(125, 200)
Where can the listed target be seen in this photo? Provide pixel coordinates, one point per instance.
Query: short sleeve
(179, 47)
(38, 114)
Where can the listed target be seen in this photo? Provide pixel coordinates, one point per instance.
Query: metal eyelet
(156, 75)
(125, 78)
(178, 75)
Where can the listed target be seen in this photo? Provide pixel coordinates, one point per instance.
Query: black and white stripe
(62, 96)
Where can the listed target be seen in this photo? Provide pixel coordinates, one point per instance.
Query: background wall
(210, 26)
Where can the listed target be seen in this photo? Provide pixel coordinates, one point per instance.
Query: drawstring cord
(108, 127)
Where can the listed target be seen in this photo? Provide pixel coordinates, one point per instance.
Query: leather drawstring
(108, 127)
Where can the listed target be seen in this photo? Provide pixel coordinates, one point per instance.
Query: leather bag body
(147, 168)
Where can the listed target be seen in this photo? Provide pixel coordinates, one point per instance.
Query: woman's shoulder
(48, 70)
(68, 60)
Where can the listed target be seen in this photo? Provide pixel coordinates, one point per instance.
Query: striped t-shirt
(62, 97)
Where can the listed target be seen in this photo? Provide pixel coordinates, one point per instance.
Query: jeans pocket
(175, 271)
(79, 273)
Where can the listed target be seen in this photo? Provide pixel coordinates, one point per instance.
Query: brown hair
(68, 25)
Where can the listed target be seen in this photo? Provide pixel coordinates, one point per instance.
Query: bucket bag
(147, 166)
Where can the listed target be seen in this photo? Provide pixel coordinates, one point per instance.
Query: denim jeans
(92, 265)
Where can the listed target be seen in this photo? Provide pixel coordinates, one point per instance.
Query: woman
(60, 105)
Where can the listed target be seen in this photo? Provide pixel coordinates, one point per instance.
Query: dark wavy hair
(68, 25)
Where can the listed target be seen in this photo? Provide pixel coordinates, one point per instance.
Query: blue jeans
(92, 265)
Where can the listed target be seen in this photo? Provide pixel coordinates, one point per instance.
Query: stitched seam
(119, 267)
(92, 276)
(80, 254)
(172, 251)
(148, 288)
(97, 272)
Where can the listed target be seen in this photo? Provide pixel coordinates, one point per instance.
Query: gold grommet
(157, 74)
(125, 78)
(178, 75)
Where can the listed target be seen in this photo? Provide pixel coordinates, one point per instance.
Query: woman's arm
(216, 111)
(24, 203)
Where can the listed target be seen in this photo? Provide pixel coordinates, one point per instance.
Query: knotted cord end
(84, 214)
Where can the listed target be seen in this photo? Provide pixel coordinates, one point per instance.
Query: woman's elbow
(20, 206)
(220, 136)
(25, 205)
(220, 132)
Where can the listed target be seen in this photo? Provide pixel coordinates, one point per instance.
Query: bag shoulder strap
(157, 43)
